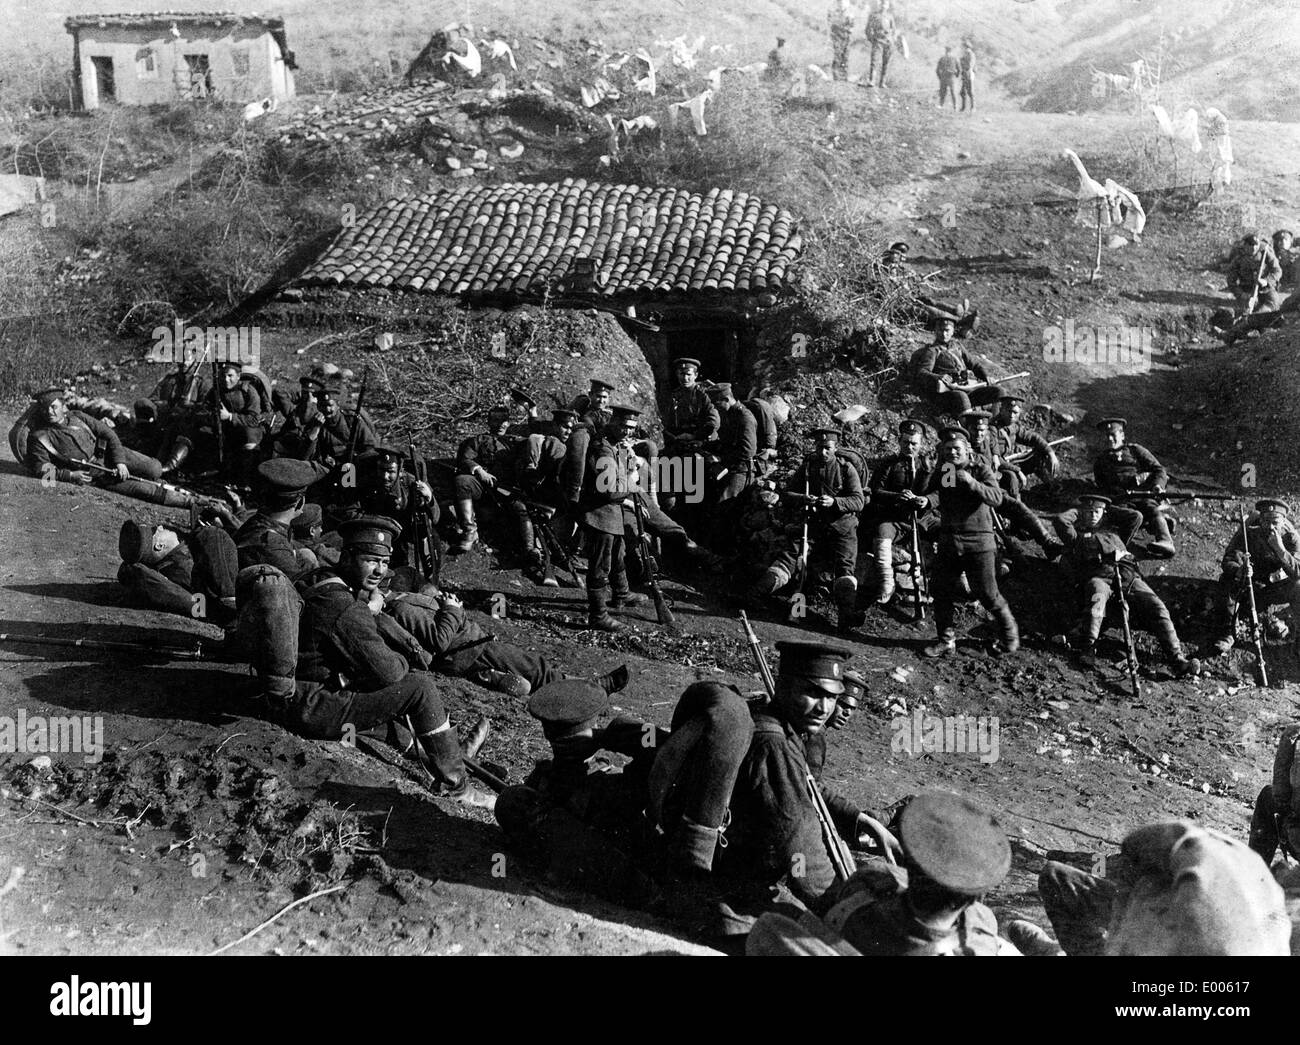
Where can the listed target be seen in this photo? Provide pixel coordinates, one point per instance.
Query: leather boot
(502, 682)
(772, 581)
(468, 526)
(943, 646)
(597, 614)
(180, 450)
(1010, 639)
(447, 763)
(845, 593)
(883, 554)
(691, 847)
(614, 681)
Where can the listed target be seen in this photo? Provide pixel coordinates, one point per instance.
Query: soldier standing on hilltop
(880, 34)
(948, 70)
(967, 65)
(840, 17)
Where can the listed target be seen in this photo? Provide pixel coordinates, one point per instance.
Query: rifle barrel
(172, 652)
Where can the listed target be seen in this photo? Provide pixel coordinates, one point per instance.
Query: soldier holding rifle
(1272, 546)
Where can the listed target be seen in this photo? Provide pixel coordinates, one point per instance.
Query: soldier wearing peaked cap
(483, 461)
(690, 422)
(1130, 473)
(611, 478)
(830, 490)
(324, 434)
(386, 487)
(1095, 540)
(594, 401)
(735, 450)
(846, 705)
(244, 416)
(1019, 517)
(897, 496)
(267, 538)
(166, 568)
(539, 464)
(1275, 565)
(944, 368)
(954, 852)
(1008, 436)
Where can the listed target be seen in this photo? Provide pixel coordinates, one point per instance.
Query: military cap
(910, 425)
(1105, 422)
(900, 247)
(620, 412)
(145, 410)
(951, 433)
(567, 706)
(1095, 498)
(307, 520)
(718, 391)
(597, 385)
(563, 414)
(686, 361)
(48, 396)
(855, 686)
(332, 384)
(940, 319)
(287, 478)
(816, 661)
(1271, 502)
(1009, 397)
(954, 842)
(134, 541)
(814, 433)
(976, 415)
(389, 451)
(520, 396)
(371, 533)
(230, 364)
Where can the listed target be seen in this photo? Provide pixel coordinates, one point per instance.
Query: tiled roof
(165, 19)
(520, 239)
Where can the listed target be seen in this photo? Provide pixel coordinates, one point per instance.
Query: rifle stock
(662, 610)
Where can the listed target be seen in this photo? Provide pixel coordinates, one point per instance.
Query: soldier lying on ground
(166, 568)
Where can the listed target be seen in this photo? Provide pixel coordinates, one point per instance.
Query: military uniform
(1018, 515)
(1275, 565)
(967, 545)
(396, 500)
(880, 37)
(840, 17)
(736, 447)
(1120, 472)
(1090, 556)
(1255, 273)
(264, 540)
(325, 439)
(690, 422)
(967, 65)
(948, 70)
(609, 479)
(488, 453)
(939, 366)
(203, 562)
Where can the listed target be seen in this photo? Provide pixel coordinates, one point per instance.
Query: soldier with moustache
(690, 422)
(1130, 473)
(897, 495)
(482, 461)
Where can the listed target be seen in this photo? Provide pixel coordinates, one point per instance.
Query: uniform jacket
(691, 415)
(835, 478)
(1265, 560)
(262, 540)
(950, 363)
(330, 446)
(1117, 471)
(1087, 552)
(80, 438)
(774, 824)
(894, 475)
(339, 639)
(880, 26)
(492, 452)
(966, 510)
(455, 639)
(948, 68)
(539, 461)
(1007, 438)
(738, 439)
(606, 483)
(244, 401)
(1244, 269)
(765, 422)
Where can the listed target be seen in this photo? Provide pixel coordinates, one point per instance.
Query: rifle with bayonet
(973, 385)
(1130, 650)
(650, 564)
(217, 426)
(1021, 456)
(356, 418)
(801, 563)
(1248, 569)
(422, 539)
(134, 648)
(168, 494)
(1177, 496)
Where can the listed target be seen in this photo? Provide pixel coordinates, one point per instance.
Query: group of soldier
(881, 31)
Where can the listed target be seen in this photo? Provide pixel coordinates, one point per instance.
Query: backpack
(765, 422)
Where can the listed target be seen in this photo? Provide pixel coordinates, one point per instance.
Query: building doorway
(105, 84)
(200, 75)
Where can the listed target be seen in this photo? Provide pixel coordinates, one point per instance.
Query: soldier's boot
(446, 761)
(1163, 544)
(882, 550)
(1030, 940)
(625, 597)
(468, 525)
(1263, 826)
(945, 645)
(181, 449)
(528, 542)
(1182, 665)
(1044, 537)
(845, 593)
(1009, 640)
(773, 580)
(502, 682)
(694, 894)
(475, 736)
(598, 614)
(614, 681)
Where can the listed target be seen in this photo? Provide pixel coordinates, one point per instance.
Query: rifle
(651, 565)
(1254, 294)
(1025, 455)
(841, 858)
(216, 414)
(356, 418)
(153, 484)
(972, 386)
(1178, 496)
(136, 648)
(421, 532)
(920, 589)
(1130, 651)
(801, 564)
(1256, 631)
(541, 514)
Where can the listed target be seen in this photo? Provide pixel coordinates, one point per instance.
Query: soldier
(267, 537)
(594, 401)
(690, 422)
(966, 493)
(166, 569)
(1275, 564)
(324, 436)
(1008, 435)
(737, 443)
(610, 479)
(1284, 249)
(954, 853)
(829, 488)
(538, 469)
(880, 35)
(1095, 542)
(897, 497)
(1018, 515)
(846, 706)
(967, 65)
(243, 417)
(944, 371)
(1129, 472)
(386, 488)
(1253, 274)
(350, 673)
(840, 17)
(948, 70)
(61, 441)
(482, 461)
(769, 415)
(1276, 820)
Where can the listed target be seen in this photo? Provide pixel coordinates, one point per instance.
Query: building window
(240, 58)
(146, 64)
